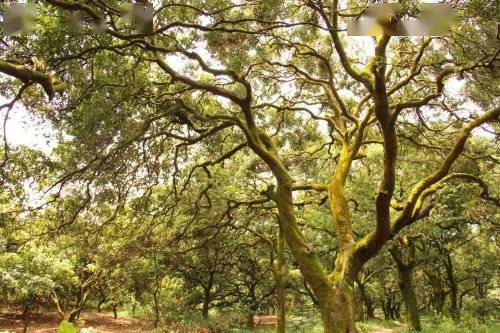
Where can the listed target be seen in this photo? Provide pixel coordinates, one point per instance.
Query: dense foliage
(249, 158)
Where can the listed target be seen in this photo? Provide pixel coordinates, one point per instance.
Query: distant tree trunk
(115, 311)
(26, 317)
(367, 301)
(405, 284)
(397, 310)
(438, 292)
(251, 318)
(207, 296)
(156, 306)
(406, 287)
(79, 304)
(454, 310)
(392, 307)
(102, 300)
(280, 288)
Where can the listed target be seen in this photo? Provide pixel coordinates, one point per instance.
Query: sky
(23, 128)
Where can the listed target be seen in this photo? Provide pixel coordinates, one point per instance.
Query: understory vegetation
(248, 166)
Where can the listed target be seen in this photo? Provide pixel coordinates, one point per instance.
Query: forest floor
(11, 322)
(388, 330)
(48, 323)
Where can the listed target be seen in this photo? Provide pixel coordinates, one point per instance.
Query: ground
(389, 330)
(48, 323)
(105, 323)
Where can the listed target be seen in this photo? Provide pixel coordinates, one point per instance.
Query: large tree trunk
(334, 292)
(338, 314)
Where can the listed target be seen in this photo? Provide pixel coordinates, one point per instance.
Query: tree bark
(102, 300)
(26, 317)
(367, 301)
(156, 307)
(438, 292)
(405, 283)
(408, 293)
(280, 288)
(338, 312)
(454, 310)
(335, 292)
(207, 295)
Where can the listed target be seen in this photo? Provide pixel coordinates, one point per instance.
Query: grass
(444, 326)
(467, 325)
(366, 326)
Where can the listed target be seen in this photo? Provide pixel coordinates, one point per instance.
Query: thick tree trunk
(338, 313)
(408, 293)
(335, 295)
(334, 292)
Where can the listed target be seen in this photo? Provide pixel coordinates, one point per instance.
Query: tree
(30, 274)
(405, 268)
(299, 69)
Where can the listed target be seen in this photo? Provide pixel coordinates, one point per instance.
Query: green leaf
(66, 327)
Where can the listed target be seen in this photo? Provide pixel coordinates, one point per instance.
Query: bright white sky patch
(23, 128)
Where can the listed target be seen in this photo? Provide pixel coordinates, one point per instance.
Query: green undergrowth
(294, 326)
(468, 324)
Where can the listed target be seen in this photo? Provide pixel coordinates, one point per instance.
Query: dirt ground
(390, 330)
(48, 323)
(105, 323)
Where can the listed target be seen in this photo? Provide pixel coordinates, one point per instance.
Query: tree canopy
(186, 156)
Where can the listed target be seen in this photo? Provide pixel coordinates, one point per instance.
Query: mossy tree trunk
(452, 283)
(207, 295)
(369, 311)
(79, 303)
(405, 284)
(334, 291)
(280, 284)
(438, 293)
